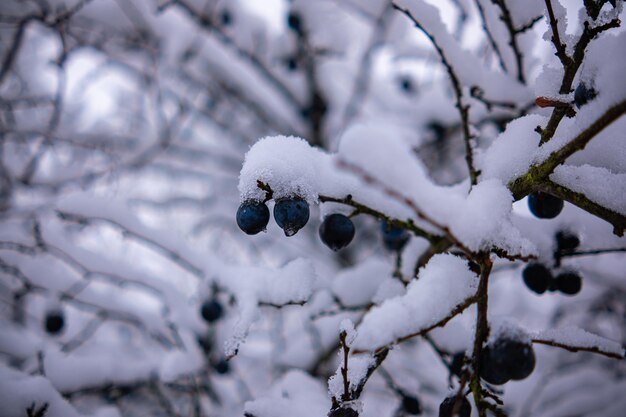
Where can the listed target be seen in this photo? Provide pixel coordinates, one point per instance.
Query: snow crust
(443, 284)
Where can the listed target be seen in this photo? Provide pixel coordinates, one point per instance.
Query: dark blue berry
(291, 63)
(583, 95)
(343, 412)
(226, 18)
(447, 407)
(568, 283)
(55, 321)
(411, 405)
(537, 277)
(222, 366)
(294, 22)
(544, 206)
(211, 310)
(394, 238)
(506, 359)
(456, 365)
(252, 217)
(566, 241)
(406, 85)
(337, 231)
(291, 214)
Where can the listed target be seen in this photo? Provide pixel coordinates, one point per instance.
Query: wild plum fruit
(447, 407)
(54, 322)
(291, 214)
(211, 310)
(569, 283)
(337, 231)
(537, 277)
(394, 238)
(253, 217)
(544, 206)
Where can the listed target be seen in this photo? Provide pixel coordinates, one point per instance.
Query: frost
(444, 283)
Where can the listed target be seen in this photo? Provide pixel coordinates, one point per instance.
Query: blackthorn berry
(394, 238)
(337, 231)
(456, 365)
(211, 310)
(506, 359)
(583, 95)
(406, 84)
(544, 206)
(537, 277)
(447, 407)
(226, 18)
(343, 412)
(568, 283)
(252, 217)
(294, 22)
(566, 241)
(411, 405)
(222, 366)
(54, 322)
(291, 214)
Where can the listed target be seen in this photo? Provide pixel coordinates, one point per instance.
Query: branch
(458, 92)
(571, 348)
(617, 220)
(524, 184)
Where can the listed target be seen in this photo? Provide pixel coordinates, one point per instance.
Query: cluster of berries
(506, 359)
(540, 279)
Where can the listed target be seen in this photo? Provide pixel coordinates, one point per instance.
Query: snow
(577, 337)
(290, 166)
(512, 153)
(294, 394)
(19, 391)
(599, 184)
(443, 284)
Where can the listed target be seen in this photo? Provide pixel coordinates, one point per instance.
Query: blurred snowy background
(127, 289)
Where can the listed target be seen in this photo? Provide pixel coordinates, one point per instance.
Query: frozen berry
(394, 238)
(566, 241)
(343, 412)
(291, 63)
(211, 310)
(291, 214)
(456, 365)
(537, 277)
(406, 85)
(447, 407)
(337, 231)
(506, 359)
(252, 217)
(568, 283)
(226, 18)
(411, 405)
(54, 322)
(544, 206)
(583, 95)
(294, 22)
(221, 366)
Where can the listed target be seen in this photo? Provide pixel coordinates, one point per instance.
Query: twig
(458, 92)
